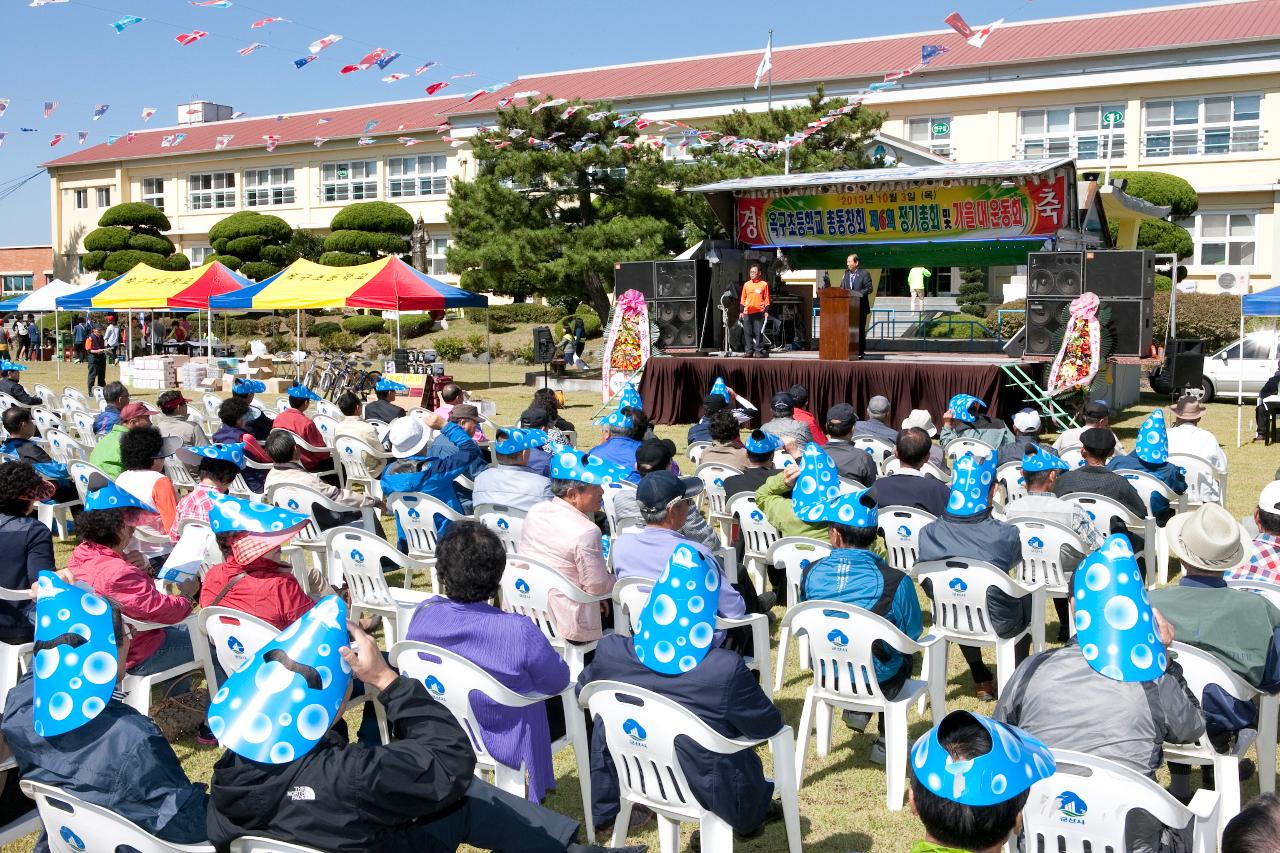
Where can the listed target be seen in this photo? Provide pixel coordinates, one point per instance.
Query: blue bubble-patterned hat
(1153, 441)
(817, 485)
(233, 453)
(230, 514)
(762, 442)
(1015, 763)
(385, 384)
(1042, 460)
(75, 660)
(630, 396)
(675, 630)
(513, 440)
(279, 705)
(855, 509)
(569, 464)
(971, 478)
(720, 388)
(245, 387)
(960, 407)
(619, 418)
(1114, 621)
(302, 392)
(101, 493)
(7, 365)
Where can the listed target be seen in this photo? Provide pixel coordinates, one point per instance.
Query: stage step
(1048, 406)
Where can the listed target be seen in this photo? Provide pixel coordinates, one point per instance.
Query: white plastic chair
(44, 392)
(356, 558)
(77, 395)
(714, 499)
(310, 539)
(695, 451)
(840, 639)
(611, 491)
(353, 455)
(282, 404)
(958, 447)
(900, 528)
(137, 688)
(793, 554)
(80, 472)
(1269, 591)
(63, 448)
(68, 404)
(1012, 484)
(1073, 457)
(45, 419)
(417, 515)
(1201, 668)
(641, 729)
(758, 535)
(452, 679)
(960, 616)
(1042, 544)
(505, 521)
(212, 402)
(329, 410)
(82, 421)
(1083, 805)
(1103, 509)
(526, 588)
(75, 826)
(258, 844)
(927, 469)
(328, 427)
(782, 459)
(1202, 478)
(630, 595)
(179, 474)
(881, 451)
(233, 637)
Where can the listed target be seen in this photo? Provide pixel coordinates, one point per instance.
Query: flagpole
(770, 52)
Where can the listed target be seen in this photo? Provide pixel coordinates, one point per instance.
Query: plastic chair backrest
(417, 515)
(958, 447)
(630, 595)
(297, 498)
(234, 636)
(1200, 669)
(329, 410)
(72, 825)
(69, 404)
(200, 526)
(927, 468)
(44, 392)
(1146, 486)
(782, 459)
(840, 638)
(900, 527)
(212, 402)
(256, 844)
(62, 447)
(45, 419)
(99, 394)
(178, 473)
(757, 533)
(695, 451)
(881, 451)
(1269, 591)
(75, 394)
(80, 472)
(960, 594)
(328, 428)
(1042, 544)
(282, 404)
(1073, 457)
(794, 554)
(713, 476)
(1101, 510)
(1083, 805)
(358, 557)
(526, 588)
(350, 453)
(1201, 476)
(611, 491)
(83, 423)
(506, 521)
(1009, 475)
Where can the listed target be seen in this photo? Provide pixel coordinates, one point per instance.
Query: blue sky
(68, 52)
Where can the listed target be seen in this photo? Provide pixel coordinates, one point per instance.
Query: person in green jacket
(971, 777)
(106, 453)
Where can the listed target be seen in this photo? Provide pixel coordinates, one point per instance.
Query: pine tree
(251, 243)
(130, 234)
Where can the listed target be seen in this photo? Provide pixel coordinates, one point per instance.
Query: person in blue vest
(415, 470)
(258, 423)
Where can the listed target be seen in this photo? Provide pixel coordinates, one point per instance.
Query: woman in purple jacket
(470, 560)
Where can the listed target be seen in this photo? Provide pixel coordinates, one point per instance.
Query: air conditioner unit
(1233, 280)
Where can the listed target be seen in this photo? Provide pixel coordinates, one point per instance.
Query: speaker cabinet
(677, 321)
(1055, 273)
(544, 347)
(633, 275)
(1120, 273)
(1131, 324)
(681, 304)
(1044, 323)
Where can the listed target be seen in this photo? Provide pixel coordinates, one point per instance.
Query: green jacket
(774, 500)
(1237, 627)
(931, 847)
(106, 453)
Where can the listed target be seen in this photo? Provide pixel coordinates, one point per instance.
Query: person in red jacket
(801, 412)
(295, 420)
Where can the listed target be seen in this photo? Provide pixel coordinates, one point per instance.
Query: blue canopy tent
(1265, 303)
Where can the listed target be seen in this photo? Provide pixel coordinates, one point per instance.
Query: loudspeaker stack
(1123, 280)
(678, 294)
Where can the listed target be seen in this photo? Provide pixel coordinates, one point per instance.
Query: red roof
(408, 118)
(1139, 30)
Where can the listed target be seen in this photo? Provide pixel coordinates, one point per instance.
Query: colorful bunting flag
(598, 116)
(554, 102)
(532, 93)
(81, 136)
(4, 105)
(166, 141)
(407, 141)
(897, 75)
(435, 87)
(245, 51)
(2, 136)
(979, 37)
(393, 78)
(475, 95)
(99, 110)
(505, 102)
(177, 139)
(320, 44)
(113, 139)
(126, 22)
(958, 23)
(568, 113)
(147, 113)
(390, 57)
(370, 125)
(28, 130)
(239, 114)
(272, 141)
(49, 107)
(364, 140)
(929, 52)
(371, 58)
(425, 67)
(223, 141)
(259, 24)
(192, 37)
(880, 87)
(504, 144)
(299, 63)
(128, 137)
(320, 140)
(212, 4)
(624, 121)
(515, 132)
(39, 3)
(56, 139)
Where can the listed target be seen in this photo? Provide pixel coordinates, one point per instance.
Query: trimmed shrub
(121, 262)
(229, 261)
(1011, 323)
(415, 326)
(1215, 317)
(475, 343)
(149, 243)
(343, 259)
(525, 352)
(340, 341)
(973, 291)
(94, 260)
(373, 216)
(1163, 189)
(370, 243)
(272, 325)
(107, 239)
(277, 255)
(258, 270)
(65, 321)
(244, 328)
(364, 324)
(449, 347)
(176, 262)
(244, 247)
(1163, 283)
(590, 321)
(250, 223)
(504, 318)
(319, 330)
(135, 213)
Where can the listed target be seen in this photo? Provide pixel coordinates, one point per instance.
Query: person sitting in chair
(259, 423)
(966, 417)
(10, 385)
(354, 426)
(1151, 456)
(295, 420)
(509, 481)
(384, 408)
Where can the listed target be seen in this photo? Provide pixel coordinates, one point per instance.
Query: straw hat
(1209, 539)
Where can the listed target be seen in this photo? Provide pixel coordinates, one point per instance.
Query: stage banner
(988, 211)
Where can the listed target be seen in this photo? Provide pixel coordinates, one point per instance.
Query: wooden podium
(840, 323)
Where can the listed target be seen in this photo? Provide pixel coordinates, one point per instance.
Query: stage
(673, 387)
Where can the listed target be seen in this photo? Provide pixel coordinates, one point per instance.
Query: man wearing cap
(1097, 444)
(295, 420)
(710, 682)
(760, 448)
(1264, 563)
(1119, 710)
(877, 423)
(853, 462)
(509, 481)
(259, 423)
(95, 350)
(116, 396)
(354, 426)
(784, 422)
(622, 430)
(1026, 433)
(966, 417)
(1151, 456)
(106, 453)
(384, 408)
(10, 385)
(414, 470)
(172, 420)
(726, 444)
(1187, 436)
(1096, 414)
(1239, 628)
(800, 397)
(657, 454)
(909, 486)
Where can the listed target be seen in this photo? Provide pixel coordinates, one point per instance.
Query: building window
(103, 195)
(153, 192)
(1222, 238)
(436, 256)
(1080, 132)
(932, 133)
(80, 270)
(20, 283)
(200, 255)
(1221, 124)
(80, 199)
(213, 191)
(264, 187)
(412, 176)
(349, 181)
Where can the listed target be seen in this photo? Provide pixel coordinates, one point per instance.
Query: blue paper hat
(855, 509)
(1015, 763)
(1153, 441)
(1114, 621)
(568, 464)
(1042, 460)
(817, 485)
(279, 705)
(75, 659)
(960, 407)
(389, 385)
(246, 387)
(513, 440)
(233, 453)
(762, 442)
(674, 632)
(229, 514)
(302, 392)
(971, 478)
(5, 365)
(617, 418)
(101, 493)
(629, 396)
(721, 389)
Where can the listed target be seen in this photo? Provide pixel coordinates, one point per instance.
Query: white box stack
(154, 373)
(193, 373)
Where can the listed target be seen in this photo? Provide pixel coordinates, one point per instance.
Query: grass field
(842, 802)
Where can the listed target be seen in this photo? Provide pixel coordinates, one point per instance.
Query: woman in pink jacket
(101, 561)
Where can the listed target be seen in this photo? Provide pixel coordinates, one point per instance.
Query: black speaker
(675, 280)
(1054, 273)
(633, 275)
(681, 304)
(1120, 273)
(1131, 325)
(544, 348)
(1044, 323)
(677, 321)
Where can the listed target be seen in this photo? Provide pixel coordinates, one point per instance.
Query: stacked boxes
(154, 372)
(194, 372)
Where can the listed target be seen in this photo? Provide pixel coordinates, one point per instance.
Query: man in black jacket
(1094, 478)
(910, 486)
(10, 385)
(859, 281)
(417, 793)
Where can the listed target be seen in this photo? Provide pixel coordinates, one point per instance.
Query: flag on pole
(126, 22)
(81, 136)
(223, 141)
(320, 44)
(979, 37)
(299, 63)
(147, 113)
(259, 24)
(192, 37)
(99, 110)
(435, 87)
(56, 139)
(930, 52)
(766, 62)
(49, 107)
(272, 141)
(245, 51)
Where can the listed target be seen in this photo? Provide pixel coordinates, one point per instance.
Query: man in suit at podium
(859, 281)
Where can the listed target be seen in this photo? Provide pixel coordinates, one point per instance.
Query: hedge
(341, 341)
(449, 347)
(343, 259)
(231, 262)
(107, 239)
(503, 318)
(1215, 317)
(122, 262)
(135, 213)
(251, 223)
(175, 262)
(277, 255)
(366, 242)
(414, 326)
(320, 330)
(373, 216)
(93, 260)
(364, 324)
(243, 328)
(148, 243)
(245, 247)
(1011, 322)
